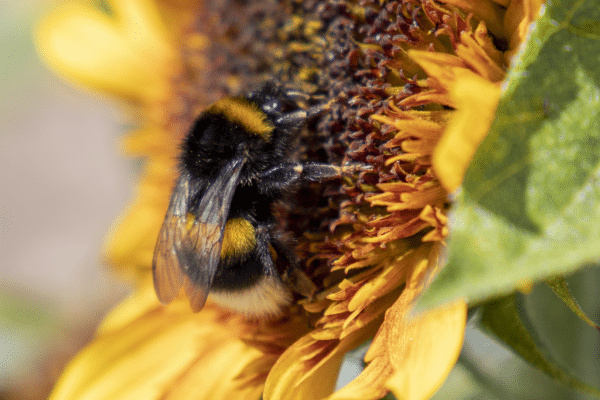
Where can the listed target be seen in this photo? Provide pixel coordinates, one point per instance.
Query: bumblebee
(218, 235)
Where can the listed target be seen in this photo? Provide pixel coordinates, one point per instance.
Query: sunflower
(412, 88)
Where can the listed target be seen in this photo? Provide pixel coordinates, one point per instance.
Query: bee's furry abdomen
(239, 239)
(241, 265)
(266, 298)
(242, 282)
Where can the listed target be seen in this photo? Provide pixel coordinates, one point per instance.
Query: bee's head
(287, 108)
(274, 100)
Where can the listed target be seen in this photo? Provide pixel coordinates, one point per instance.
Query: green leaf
(561, 289)
(501, 317)
(530, 203)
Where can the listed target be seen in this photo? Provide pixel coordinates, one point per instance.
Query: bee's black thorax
(250, 128)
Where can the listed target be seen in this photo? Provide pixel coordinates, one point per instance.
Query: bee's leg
(293, 120)
(263, 239)
(288, 175)
(294, 275)
(316, 172)
(296, 119)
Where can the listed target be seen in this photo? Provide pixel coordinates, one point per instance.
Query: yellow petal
(215, 374)
(431, 344)
(476, 100)
(142, 300)
(484, 10)
(126, 53)
(308, 370)
(148, 351)
(519, 16)
(410, 355)
(369, 385)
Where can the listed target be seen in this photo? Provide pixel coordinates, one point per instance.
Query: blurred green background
(64, 183)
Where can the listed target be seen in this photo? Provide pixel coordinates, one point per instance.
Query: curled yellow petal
(519, 17)
(476, 100)
(126, 53)
(485, 10)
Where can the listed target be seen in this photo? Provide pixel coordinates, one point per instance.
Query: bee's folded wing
(188, 250)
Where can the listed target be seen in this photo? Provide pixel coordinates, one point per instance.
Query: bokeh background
(63, 183)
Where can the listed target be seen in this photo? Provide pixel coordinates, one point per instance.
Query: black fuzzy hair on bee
(218, 233)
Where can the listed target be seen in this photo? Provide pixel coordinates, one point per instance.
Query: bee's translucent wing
(189, 246)
(166, 268)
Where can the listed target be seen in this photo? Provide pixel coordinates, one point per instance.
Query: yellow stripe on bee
(273, 253)
(239, 238)
(245, 113)
(189, 221)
